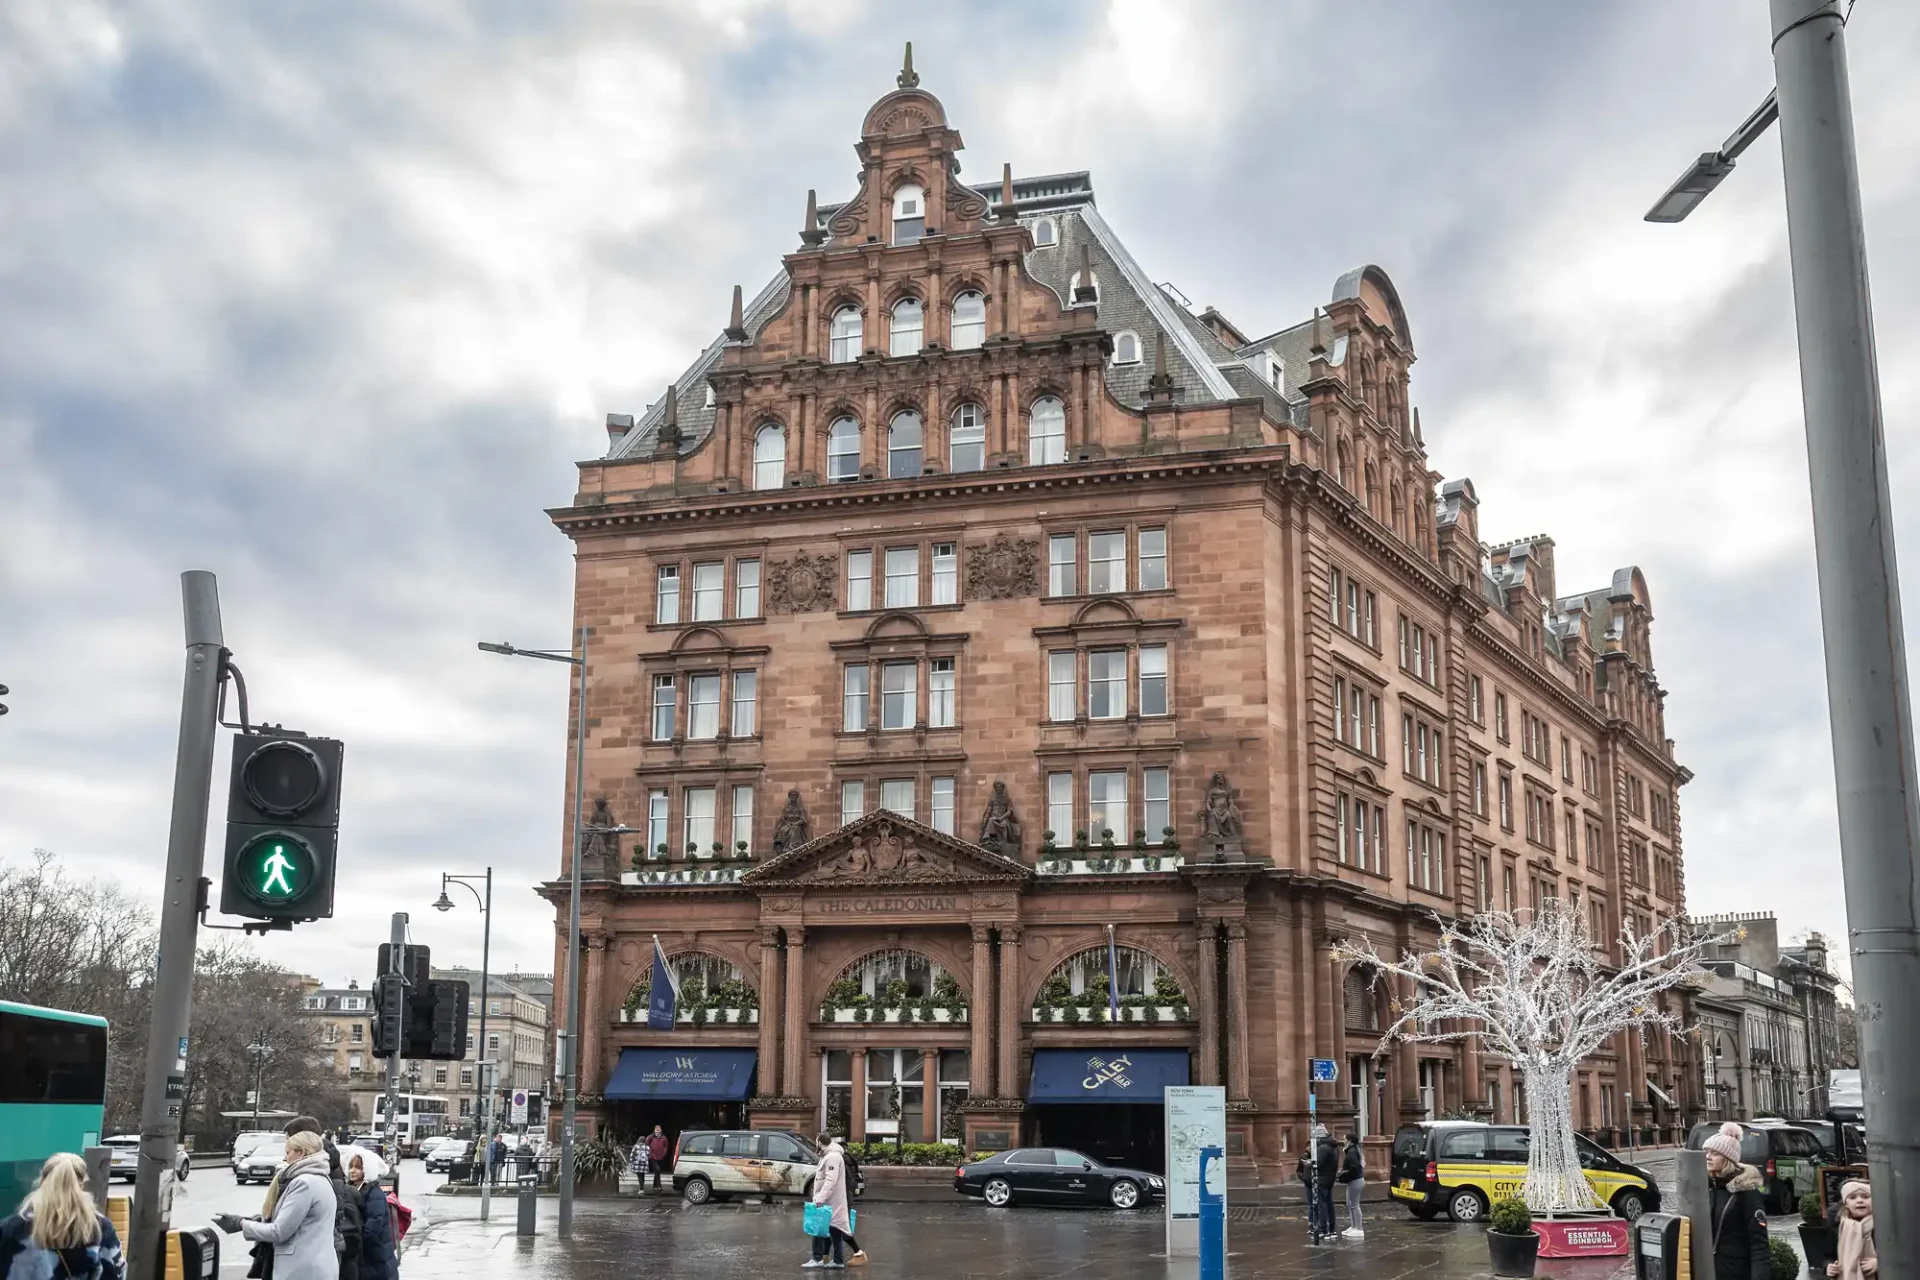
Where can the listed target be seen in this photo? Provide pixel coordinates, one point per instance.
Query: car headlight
(1156, 1182)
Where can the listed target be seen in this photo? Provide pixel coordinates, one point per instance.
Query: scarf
(1856, 1243)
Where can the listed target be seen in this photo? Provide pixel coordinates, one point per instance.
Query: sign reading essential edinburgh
(685, 1075)
(1106, 1075)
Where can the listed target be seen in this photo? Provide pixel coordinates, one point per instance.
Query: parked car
(1786, 1155)
(126, 1158)
(1460, 1167)
(442, 1156)
(1056, 1175)
(245, 1143)
(261, 1163)
(1822, 1131)
(715, 1164)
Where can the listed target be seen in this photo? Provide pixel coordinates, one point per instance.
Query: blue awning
(681, 1075)
(1105, 1075)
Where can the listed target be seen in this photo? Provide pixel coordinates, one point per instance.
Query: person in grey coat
(301, 1230)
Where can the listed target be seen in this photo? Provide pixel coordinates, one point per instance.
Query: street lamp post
(570, 1038)
(1860, 620)
(481, 1128)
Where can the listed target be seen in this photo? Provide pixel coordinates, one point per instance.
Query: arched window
(1373, 490)
(968, 442)
(703, 979)
(844, 346)
(770, 457)
(1073, 288)
(711, 400)
(1399, 511)
(903, 445)
(1126, 348)
(909, 215)
(843, 450)
(909, 325)
(1047, 431)
(1083, 982)
(1044, 235)
(1362, 1010)
(1343, 464)
(969, 321)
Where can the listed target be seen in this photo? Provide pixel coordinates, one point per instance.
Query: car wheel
(1630, 1204)
(999, 1192)
(697, 1191)
(1424, 1212)
(1124, 1194)
(1467, 1205)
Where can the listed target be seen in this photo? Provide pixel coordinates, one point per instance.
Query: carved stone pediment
(886, 849)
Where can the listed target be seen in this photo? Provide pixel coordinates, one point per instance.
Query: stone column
(1207, 1002)
(796, 1013)
(929, 1095)
(770, 1015)
(857, 1105)
(1007, 1078)
(593, 1017)
(980, 1016)
(1239, 1016)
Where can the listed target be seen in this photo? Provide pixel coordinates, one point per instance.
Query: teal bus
(53, 1091)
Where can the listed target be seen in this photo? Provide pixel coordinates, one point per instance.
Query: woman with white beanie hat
(1739, 1216)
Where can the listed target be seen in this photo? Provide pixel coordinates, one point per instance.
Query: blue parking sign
(1324, 1070)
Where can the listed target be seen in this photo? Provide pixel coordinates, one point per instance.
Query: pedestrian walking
(1859, 1259)
(637, 1162)
(1739, 1213)
(58, 1231)
(347, 1218)
(1353, 1176)
(832, 1189)
(302, 1226)
(496, 1157)
(658, 1151)
(378, 1261)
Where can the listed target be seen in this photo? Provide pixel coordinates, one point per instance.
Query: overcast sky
(327, 297)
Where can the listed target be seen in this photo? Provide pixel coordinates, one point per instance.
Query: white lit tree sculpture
(1532, 986)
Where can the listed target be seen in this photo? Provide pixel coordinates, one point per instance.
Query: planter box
(1073, 863)
(1512, 1255)
(704, 872)
(891, 1015)
(685, 1017)
(1098, 1014)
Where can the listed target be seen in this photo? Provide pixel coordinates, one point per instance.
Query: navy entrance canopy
(1105, 1075)
(681, 1075)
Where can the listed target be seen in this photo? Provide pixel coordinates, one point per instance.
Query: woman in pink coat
(830, 1187)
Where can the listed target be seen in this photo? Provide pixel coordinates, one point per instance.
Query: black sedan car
(1055, 1175)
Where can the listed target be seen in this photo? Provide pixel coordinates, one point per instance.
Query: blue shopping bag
(819, 1221)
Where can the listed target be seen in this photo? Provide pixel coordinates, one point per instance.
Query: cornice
(1346, 510)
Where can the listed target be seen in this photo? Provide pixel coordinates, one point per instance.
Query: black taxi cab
(1460, 1167)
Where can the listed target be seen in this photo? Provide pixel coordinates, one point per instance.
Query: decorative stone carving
(999, 828)
(1220, 820)
(599, 847)
(965, 202)
(884, 852)
(804, 584)
(1003, 569)
(792, 830)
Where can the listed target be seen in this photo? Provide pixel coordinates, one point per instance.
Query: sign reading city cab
(1106, 1075)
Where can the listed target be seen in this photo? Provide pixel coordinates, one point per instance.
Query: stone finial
(811, 233)
(1084, 293)
(668, 436)
(1319, 344)
(908, 78)
(736, 319)
(1417, 437)
(1160, 385)
(1006, 193)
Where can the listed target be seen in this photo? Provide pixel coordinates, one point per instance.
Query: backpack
(402, 1218)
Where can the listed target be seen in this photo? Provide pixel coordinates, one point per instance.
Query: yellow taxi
(1460, 1167)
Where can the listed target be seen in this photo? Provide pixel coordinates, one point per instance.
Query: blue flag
(1113, 979)
(663, 996)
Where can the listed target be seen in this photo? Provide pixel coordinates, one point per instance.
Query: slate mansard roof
(1204, 368)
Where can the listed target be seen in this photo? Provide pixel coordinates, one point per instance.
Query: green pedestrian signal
(275, 868)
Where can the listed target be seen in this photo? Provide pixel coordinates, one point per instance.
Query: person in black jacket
(1353, 1176)
(348, 1217)
(1739, 1213)
(1318, 1166)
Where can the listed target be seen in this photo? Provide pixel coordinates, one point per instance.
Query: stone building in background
(971, 594)
(1769, 1021)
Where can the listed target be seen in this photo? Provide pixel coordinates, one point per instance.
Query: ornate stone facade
(1209, 649)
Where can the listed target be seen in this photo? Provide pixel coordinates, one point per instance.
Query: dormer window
(909, 215)
(710, 396)
(844, 336)
(1126, 348)
(1044, 235)
(1275, 369)
(908, 328)
(1073, 288)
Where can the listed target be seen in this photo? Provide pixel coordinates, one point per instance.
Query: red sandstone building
(971, 596)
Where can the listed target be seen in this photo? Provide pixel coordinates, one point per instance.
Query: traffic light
(389, 1013)
(283, 820)
(437, 1021)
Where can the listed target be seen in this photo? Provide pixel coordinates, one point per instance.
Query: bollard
(1213, 1214)
(529, 1201)
(1693, 1199)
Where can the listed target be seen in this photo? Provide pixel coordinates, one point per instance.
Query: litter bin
(1661, 1247)
(529, 1185)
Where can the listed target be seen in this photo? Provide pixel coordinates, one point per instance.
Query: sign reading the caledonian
(882, 906)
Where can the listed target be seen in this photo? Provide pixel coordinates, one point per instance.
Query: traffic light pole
(396, 964)
(570, 1069)
(179, 915)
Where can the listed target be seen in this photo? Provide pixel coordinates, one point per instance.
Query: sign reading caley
(1111, 1075)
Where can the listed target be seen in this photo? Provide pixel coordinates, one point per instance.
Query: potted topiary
(740, 851)
(1786, 1263)
(1513, 1246)
(1817, 1239)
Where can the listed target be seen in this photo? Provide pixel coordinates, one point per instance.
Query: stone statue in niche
(599, 847)
(999, 828)
(792, 830)
(1220, 820)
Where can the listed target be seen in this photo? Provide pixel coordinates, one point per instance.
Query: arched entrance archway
(902, 1084)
